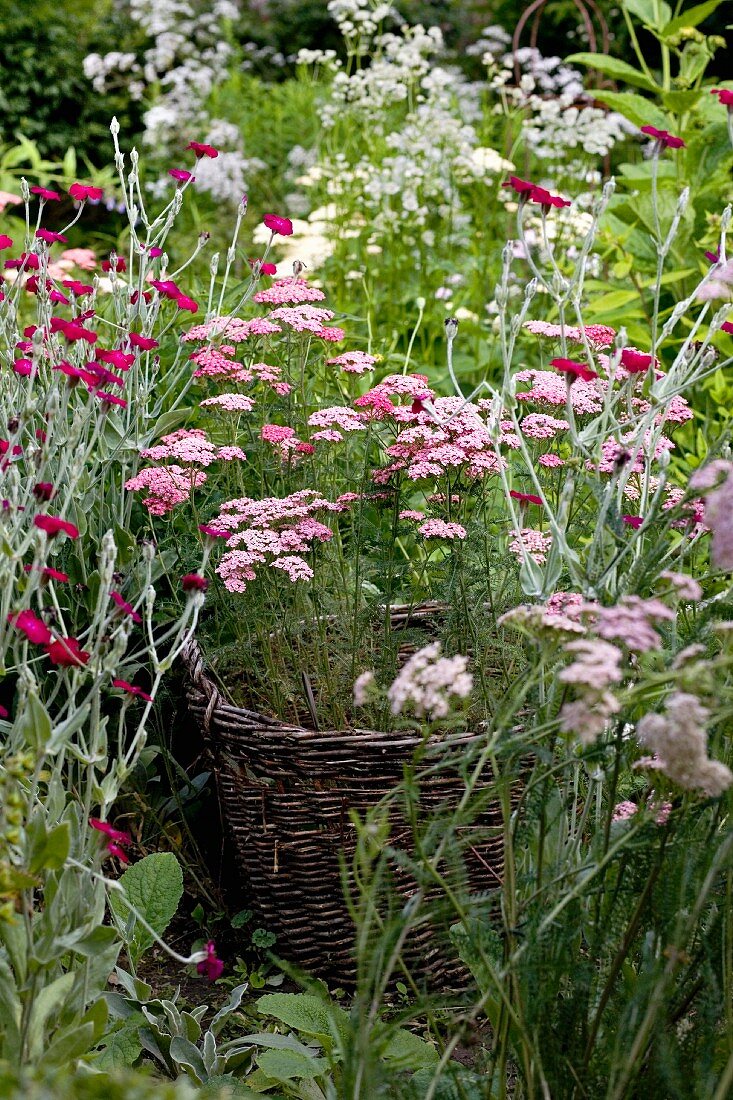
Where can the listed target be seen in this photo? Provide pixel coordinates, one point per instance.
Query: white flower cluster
(428, 682)
(359, 18)
(186, 56)
(559, 116)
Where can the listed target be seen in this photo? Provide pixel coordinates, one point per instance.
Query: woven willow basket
(286, 792)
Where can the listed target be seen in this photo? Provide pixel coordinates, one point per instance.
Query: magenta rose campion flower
(203, 150)
(52, 525)
(663, 137)
(81, 192)
(278, 225)
(29, 624)
(573, 369)
(211, 966)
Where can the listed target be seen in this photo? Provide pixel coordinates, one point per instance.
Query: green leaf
(185, 1054)
(286, 1065)
(651, 12)
(640, 111)
(35, 724)
(691, 17)
(154, 886)
(123, 1048)
(48, 849)
(615, 299)
(305, 1013)
(10, 1014)
(69, 1045)
(680, 102)
(409, 1051)
(615, 68)
(48, 1002)
(223, 1087)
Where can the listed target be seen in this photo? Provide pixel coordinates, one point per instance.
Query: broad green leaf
(122, 1048)
(154, 886)
(615, 68)
(185, 1054)
(287, 1065)
(35, 725)
(235, 1000)
(691, 17)
(48, 849)
(48, 1002)
(409, 1051)
(679, 102)
(223, 1087)
(640, 111)
(651, 12)
(10, 1014)
(615, 299)
(305, 1013)
(456, 1083)
(69, 1045)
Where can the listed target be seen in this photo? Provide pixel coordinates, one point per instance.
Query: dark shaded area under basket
(285, 795)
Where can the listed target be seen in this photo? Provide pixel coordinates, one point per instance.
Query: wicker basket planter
(286, 793)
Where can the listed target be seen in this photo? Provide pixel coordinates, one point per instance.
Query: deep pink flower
(522, 187)
(110, 832)
(546, 199)
(525, 498)
(183, 302)
(154, 253)
(276, 224)
(214, 532)
(132, 689)
(727, 326)
(28, 260)
(125, 606)
(5, 241)
(5, 447)
(46, 194)
(635, 361)
(633, 521)
(167, 288)
(573, 369)
(203, 150)
(180, 175)
(263, 267)
(116, 850)
(120, 264)
(714, 257)
(725, 96)
(4, 712)
(73, 331)
(43, 490)
(211, 966)
(110, 399)
(58, 298)
(66, 652)
(50, 237)
(81, 192)
(663, 137)
(53, 524)
(116, 358)
(145, 343)
(29, 624)
(194, 582)
(23, 367)
(78, 288)
(48, 571)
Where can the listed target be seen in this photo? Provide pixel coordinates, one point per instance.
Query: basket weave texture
(286, 793)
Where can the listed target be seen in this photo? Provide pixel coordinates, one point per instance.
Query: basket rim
(260, 724)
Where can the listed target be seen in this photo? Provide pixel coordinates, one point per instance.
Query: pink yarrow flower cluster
(290, 291)
(429, 683)
(167, 486)
(598, 336)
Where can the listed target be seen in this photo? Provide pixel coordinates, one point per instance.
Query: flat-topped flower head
(573, 370)
(663, 138)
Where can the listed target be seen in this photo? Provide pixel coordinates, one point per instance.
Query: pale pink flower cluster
(631, 622)
(543, 426)
(274, 531)
(678, 739)
(233, 328)
(452, 436)
(685, 586)
(167, 486)
(290, 291)
(428, 681)
(614, 453)
(550, 388)
(341, 416)
(354, 362)
(230, 402)
(565, 603)
(530, 542)
(190, 445)
(716, 481)
(623, 811)
(439, 529)
(536, 621)
(596, 667)
(306, 318)
(364, 685)
(326, 435)
(282, 437)
(721, 286)
(212, 362)
(412, 513)
(598, 336)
